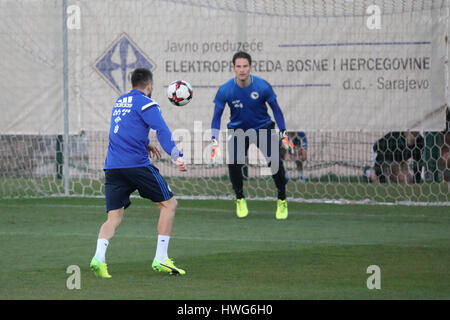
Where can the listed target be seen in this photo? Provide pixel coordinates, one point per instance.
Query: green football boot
(282, 210)
(100, 269)
(241, 208)
(167, 266)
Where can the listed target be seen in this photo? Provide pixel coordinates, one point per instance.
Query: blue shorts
(120, 183)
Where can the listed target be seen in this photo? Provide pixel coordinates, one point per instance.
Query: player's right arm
(219, 106)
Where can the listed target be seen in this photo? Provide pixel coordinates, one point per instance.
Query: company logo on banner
(122, 57)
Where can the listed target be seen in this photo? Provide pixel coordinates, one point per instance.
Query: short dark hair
(244, 55)
(141, 77)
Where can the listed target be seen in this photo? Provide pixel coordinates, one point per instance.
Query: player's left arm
(279, 118)
(278, 114)
(271, 99)
(153, 117)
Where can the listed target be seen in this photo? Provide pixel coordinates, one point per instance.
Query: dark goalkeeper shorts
(120, 183)
(266, 140)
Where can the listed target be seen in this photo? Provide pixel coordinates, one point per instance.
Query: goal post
(345, 72)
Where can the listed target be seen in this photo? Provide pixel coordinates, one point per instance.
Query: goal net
(366, 81)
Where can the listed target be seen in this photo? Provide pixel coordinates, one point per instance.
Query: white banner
(344, 67)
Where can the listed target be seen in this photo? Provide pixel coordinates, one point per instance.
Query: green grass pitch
(321, 252)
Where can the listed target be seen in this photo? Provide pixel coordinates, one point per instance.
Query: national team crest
(119, 60)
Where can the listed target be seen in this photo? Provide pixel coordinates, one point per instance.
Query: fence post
(66, 146)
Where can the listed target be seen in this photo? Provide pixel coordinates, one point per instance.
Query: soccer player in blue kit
(128, 168)
(246, 96)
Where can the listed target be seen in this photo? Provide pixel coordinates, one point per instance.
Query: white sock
(161, 248)
(102, 245)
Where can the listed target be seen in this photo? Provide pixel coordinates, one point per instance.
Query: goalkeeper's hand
(286, 142)
(214, 151)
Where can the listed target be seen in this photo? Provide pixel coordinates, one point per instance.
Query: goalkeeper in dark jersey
(246, 95)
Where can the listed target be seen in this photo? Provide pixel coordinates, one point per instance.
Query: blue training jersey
(248, 109)
(133, 115)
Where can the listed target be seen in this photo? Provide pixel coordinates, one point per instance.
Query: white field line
(216, 210)
(320, 242)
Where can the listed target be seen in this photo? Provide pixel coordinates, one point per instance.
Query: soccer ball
(179, 92)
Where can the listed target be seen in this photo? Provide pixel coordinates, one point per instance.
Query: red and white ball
(179, 93)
